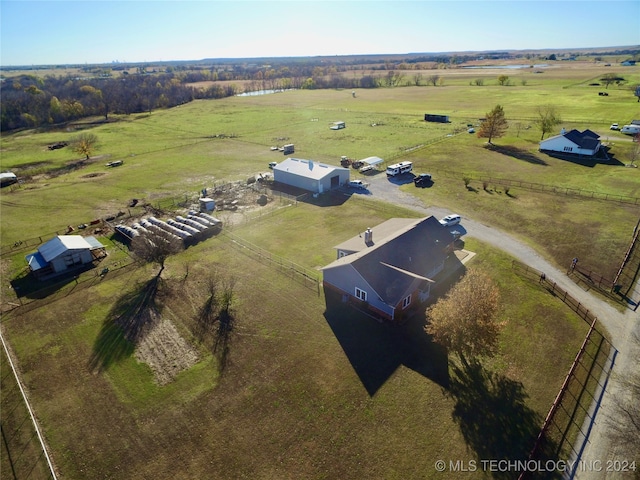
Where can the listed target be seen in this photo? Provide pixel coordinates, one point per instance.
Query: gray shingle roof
(586, 139)
(398, 263)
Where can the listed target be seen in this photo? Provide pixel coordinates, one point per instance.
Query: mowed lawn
(307, 391)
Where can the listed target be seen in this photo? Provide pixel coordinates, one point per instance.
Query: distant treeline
(100, 90)
(32, 101)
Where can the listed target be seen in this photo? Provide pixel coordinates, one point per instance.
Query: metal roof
(35, 261)
(63, 243)
(307, 168)
(372, 160)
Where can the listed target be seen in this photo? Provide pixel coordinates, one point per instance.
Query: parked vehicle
(423, 180)
(358, 184)
(272, 165)
(288, 149)
(366, 168)
(450, 220)
(338, 126)
(614, 126)
(630, 129)
(399, 169)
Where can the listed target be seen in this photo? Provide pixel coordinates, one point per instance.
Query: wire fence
(507, 184)
(567, 425)
(24, 451)
(308, 278)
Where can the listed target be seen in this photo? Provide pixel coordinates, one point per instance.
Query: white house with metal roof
(573, 142)
(310, 175)
(64, 253)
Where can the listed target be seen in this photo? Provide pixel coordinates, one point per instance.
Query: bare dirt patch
(166, 352)
(92, 175)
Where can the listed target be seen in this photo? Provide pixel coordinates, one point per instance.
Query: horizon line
(444, 52)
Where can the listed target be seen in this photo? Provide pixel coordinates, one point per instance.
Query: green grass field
(306, 391)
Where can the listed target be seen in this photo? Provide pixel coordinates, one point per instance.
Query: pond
(261, 92)
(508, 67)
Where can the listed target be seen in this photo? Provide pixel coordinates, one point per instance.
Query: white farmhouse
(573, 142)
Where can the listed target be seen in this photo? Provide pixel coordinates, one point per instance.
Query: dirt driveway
(621, 326)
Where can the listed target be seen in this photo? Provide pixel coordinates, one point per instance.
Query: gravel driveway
(621, 326)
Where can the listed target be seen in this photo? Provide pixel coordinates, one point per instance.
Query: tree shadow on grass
(216, 322)
(517, 153)
(132, 316)
(493, 416)
(376, 350)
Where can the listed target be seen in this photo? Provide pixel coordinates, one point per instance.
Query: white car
(358, 184)
(450, 220)
(614, 126)
(272, 165)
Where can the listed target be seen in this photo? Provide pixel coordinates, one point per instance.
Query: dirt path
(621, 326)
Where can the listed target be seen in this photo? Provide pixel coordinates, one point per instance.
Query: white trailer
(399, 168)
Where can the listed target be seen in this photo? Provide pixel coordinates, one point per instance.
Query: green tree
(610, 78)
(464, 320)
(494, 124)
(547, 119)
(84, 144)
(503, 79)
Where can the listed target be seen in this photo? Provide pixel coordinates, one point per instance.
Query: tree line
(31, 101)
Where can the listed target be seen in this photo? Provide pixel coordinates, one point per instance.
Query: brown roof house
(390, 268)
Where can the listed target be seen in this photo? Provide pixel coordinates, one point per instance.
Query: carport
(372, 161)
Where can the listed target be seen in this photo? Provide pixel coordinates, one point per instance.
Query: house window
(361, 294)
(406, 302)
(568, 149)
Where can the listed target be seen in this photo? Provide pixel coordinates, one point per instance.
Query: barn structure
(63, 254)
(573, 142)
(309, 175)
(389, 269)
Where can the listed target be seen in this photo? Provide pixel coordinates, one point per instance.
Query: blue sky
(94, 31)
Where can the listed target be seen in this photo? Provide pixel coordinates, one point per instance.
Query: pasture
(306, 390)
(300, 384)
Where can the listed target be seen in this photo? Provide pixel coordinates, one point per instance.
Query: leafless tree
(156, 250)
(433, 80)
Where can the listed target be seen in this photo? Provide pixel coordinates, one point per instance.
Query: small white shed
(207, 204)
